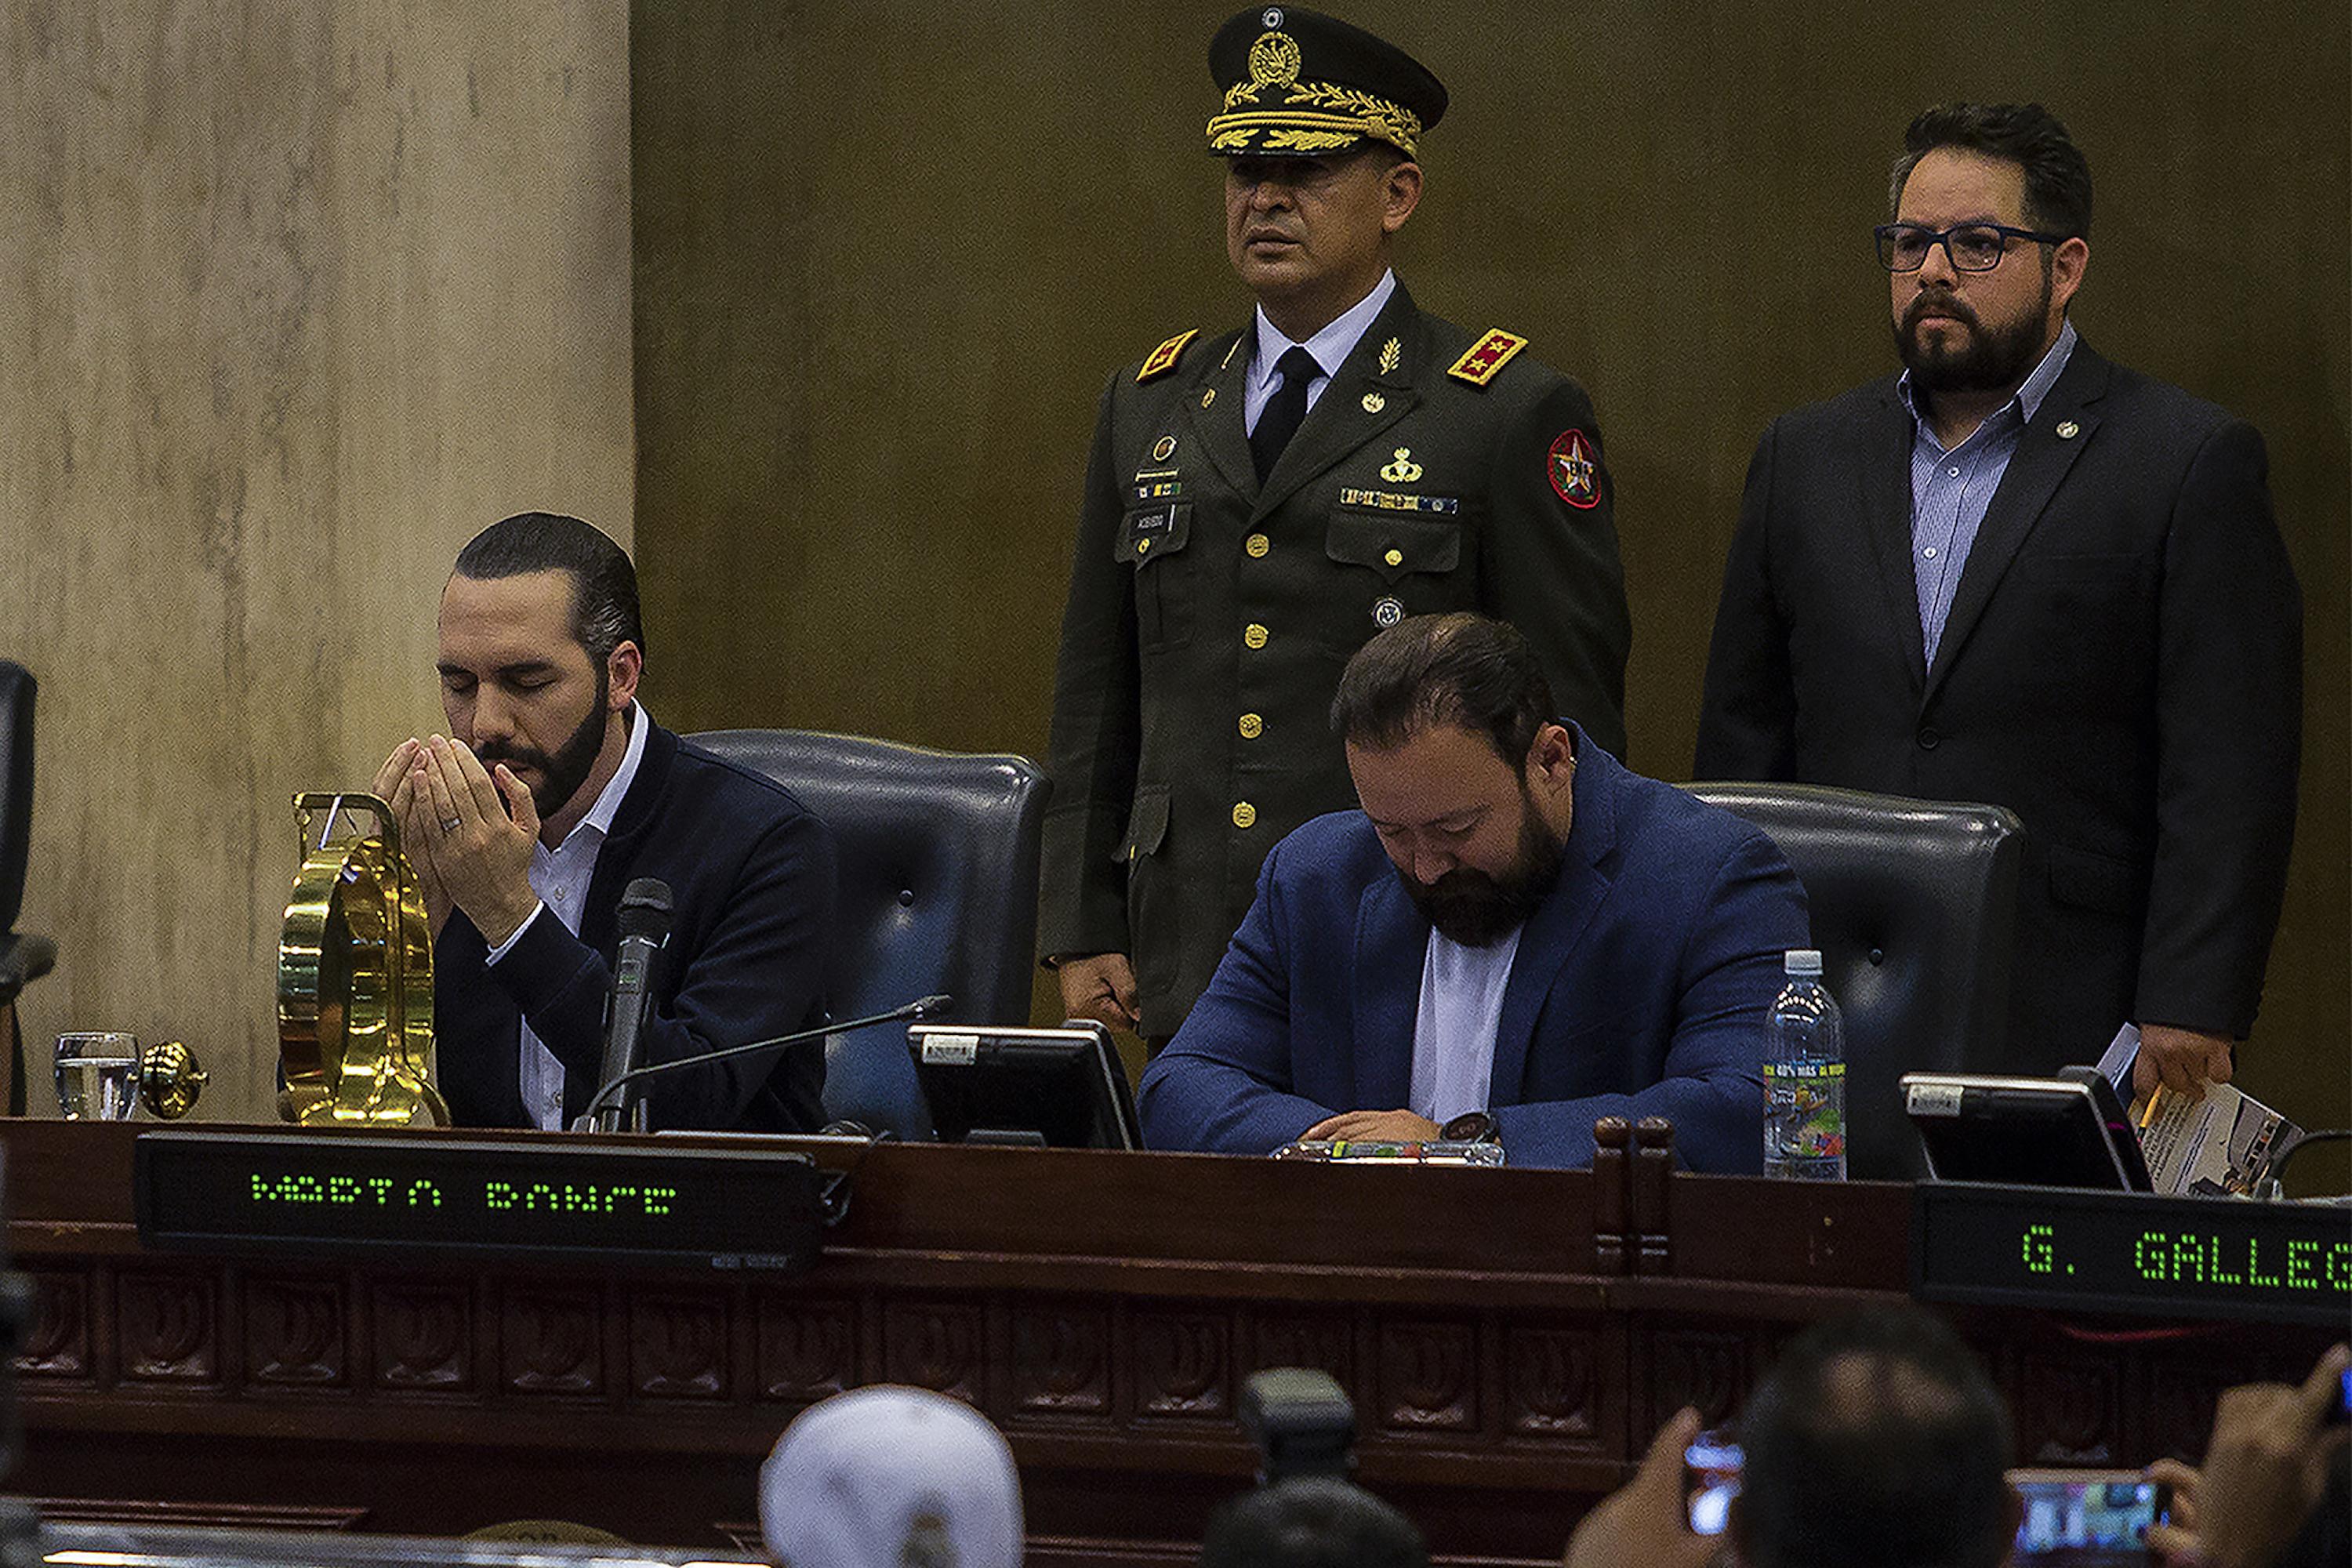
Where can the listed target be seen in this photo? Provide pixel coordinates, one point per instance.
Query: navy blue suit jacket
(1639, 988)
(751, 879)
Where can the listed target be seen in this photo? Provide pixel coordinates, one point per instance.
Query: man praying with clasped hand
(553, 791)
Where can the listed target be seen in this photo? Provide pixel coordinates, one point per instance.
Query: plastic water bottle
(1804, 1077)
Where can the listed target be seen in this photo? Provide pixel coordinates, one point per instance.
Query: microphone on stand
(646, 920)
(921, 1007)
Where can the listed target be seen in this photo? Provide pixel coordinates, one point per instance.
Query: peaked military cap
(1301, 84)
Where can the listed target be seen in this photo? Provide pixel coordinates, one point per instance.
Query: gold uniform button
(1253, 635)
(1244, 815)
(1252, 726)
(1394, 558)
(1257, 544)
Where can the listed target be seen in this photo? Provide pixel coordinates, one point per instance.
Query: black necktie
(1277, 422)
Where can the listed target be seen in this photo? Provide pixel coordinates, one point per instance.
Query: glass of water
(98, 1076)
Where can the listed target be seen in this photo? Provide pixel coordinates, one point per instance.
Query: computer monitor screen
(1063, 1088)
(2025, 1131)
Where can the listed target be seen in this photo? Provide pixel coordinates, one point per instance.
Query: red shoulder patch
(1574, 471)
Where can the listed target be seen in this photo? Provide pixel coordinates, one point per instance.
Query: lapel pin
(1392, 355)
(2068, 430)
(1374, 402)
(1207, 396)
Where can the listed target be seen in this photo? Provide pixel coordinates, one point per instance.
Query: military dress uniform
(1210, 615)
(1208, 618)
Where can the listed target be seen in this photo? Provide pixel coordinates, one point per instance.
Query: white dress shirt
(1453, 1034)
(561, 877)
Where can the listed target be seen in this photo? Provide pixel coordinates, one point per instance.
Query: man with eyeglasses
(2018, 573)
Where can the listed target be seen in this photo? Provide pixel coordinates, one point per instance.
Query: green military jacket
(1208, 619)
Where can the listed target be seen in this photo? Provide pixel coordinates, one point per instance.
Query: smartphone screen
(1710, 1481)
(2088, 1516)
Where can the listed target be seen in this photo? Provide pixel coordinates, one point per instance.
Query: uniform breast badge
(1386, 611)
(1163, 449)
(1573, 470)
(1404, 470)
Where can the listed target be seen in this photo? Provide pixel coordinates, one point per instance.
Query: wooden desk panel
(1506, 1358)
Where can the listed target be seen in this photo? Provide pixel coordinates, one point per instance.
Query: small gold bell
(170, 1080)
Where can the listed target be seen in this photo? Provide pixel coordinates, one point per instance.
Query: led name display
(2125, 1252)
(553, 1196)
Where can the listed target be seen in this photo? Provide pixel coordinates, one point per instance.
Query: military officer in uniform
(1259, 504)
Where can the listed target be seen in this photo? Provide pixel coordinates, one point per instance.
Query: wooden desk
(1511, 1339)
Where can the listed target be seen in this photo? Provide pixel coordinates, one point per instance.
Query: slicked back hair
(2057, 175)
(1463, 669)
(1876, 1441)
(603, 585)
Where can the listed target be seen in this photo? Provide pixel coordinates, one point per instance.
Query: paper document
(2219, 1146)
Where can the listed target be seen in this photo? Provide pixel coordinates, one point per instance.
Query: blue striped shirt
(1951, 489)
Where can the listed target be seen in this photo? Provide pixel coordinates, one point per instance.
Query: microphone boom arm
(921, 1007)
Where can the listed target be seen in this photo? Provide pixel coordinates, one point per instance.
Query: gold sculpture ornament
(356, 974)
(170, 1079)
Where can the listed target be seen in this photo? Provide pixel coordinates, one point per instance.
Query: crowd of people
(1876, 1440)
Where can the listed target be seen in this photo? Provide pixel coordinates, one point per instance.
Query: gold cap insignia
(1273, 61)
(1486, 357)
(1163, 359)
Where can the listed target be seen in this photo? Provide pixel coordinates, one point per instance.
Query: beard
(1985, 359)
(1475, 909)
(561, 773)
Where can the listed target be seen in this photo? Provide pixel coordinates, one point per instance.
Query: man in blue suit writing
(1515, 931)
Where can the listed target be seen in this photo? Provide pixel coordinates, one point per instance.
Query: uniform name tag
(1388, 500)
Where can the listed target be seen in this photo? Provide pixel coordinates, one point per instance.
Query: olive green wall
(885, 255)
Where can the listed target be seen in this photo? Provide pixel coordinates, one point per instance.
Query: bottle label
(1805, 1104)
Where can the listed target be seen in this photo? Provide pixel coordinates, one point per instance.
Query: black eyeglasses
(1968, 246)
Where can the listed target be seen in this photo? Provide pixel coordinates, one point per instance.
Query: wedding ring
(450, 825)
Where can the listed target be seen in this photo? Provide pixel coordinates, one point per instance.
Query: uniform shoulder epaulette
(1489, 355)
(1163, 359)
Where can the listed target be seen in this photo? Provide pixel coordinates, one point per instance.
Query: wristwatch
(1472, 1126)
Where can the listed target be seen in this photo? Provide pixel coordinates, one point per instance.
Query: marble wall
(293, 299)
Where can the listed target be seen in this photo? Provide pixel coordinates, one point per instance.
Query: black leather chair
(23, 958)
(1913, 908)
(939, 894)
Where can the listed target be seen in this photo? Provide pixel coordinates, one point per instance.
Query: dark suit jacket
(751, 879)
(1640, 988)
(2122, 668)
(1208, 618)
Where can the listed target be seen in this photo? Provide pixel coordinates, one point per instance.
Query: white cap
(891, 1478)
(1801, 961)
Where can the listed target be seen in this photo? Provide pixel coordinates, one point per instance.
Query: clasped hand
(467, 831)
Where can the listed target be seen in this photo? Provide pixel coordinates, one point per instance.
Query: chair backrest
(1913, 908)
(939, 894)
(16, 689)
